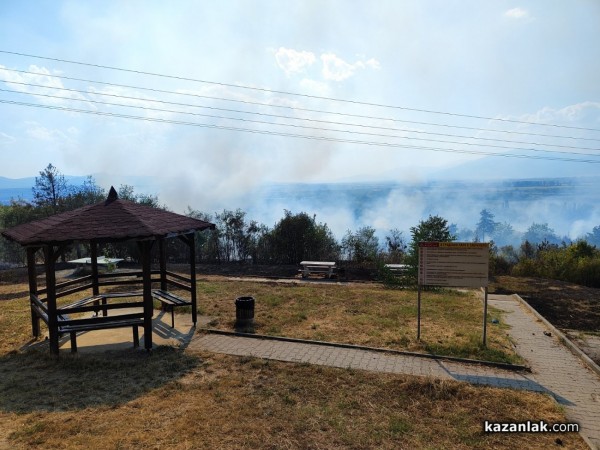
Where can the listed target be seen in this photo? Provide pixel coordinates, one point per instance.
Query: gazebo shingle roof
(111, 220)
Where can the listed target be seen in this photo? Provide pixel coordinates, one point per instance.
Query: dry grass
(363, 314)
(185, 400)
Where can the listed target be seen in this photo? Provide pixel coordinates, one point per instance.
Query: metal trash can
(244, 314)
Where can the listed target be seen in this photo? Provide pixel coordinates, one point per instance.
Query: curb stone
(561, 336)
(498, 365)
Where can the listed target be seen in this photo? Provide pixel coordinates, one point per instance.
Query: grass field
(186, 400)
(364, 314)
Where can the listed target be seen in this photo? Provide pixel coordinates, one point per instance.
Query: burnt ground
(567, 306)
(573, 309)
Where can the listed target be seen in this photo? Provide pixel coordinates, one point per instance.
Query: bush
(526, 267)
(577, 263)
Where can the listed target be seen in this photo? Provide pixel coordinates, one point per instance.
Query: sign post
(453, 264)
(419, 313)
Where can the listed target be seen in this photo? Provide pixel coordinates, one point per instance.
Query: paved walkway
(563, 374)
(555, 369)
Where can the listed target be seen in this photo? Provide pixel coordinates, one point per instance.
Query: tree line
(299, 236)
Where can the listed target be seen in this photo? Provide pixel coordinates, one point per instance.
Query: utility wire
(294, 108)
(320, 138)
(377, 135)
(272, 91)
(280, 116)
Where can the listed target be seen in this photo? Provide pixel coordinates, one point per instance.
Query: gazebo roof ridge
(112, 196)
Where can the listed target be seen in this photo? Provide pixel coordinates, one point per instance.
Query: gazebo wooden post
(192, 244)
(95, 285)
(94, 258)
(145, 247)
(32, 275)
(50, 263)
(162, 258)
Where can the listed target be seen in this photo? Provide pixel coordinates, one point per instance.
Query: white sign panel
(458, 264)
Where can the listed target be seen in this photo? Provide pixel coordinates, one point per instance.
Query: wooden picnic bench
(397, 268)
(97, 303)
(310, 267)
(73, 326)
(170, 301)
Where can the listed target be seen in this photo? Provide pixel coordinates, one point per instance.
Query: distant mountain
(14, 183)
(498, 168)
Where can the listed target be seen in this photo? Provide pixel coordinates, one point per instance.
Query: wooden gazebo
(113, 220)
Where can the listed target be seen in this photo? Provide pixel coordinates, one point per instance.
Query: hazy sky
(533, 61)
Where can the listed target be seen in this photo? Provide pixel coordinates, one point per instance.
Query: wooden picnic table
(326, 267)
(397, 268)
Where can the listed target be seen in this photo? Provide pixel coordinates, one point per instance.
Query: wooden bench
(170, 301)
(310, 267)
(73, 326)
(95, 304)
(100, 302)
(398, 269)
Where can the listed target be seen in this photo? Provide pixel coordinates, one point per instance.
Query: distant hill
(497, 168)
(15, 183)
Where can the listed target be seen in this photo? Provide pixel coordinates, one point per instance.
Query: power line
(378, 135)
(295, 108)
(285, 117)
(272, 91)
(320, 138)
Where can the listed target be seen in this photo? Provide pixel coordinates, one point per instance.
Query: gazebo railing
(133, 311)
(39, 307)
(67, 284)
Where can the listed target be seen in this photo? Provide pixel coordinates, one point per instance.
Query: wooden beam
(162, 256)
(184, 239)
(32, 276)
(94, 257)
(59, 251)
(49, 255)
(193, 277)
(145, 248)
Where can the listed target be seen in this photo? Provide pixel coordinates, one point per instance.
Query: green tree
(362, 245)
(88, 193)
(50, 189)
(298, 237)
(126, 192)
(16, 213)
(434, 229)
(207, 241)
(396, 246)
(540, 232)
(593, 238)
(486, 224)
(504, 234)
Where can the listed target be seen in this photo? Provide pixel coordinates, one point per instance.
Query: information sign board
(458, 264)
